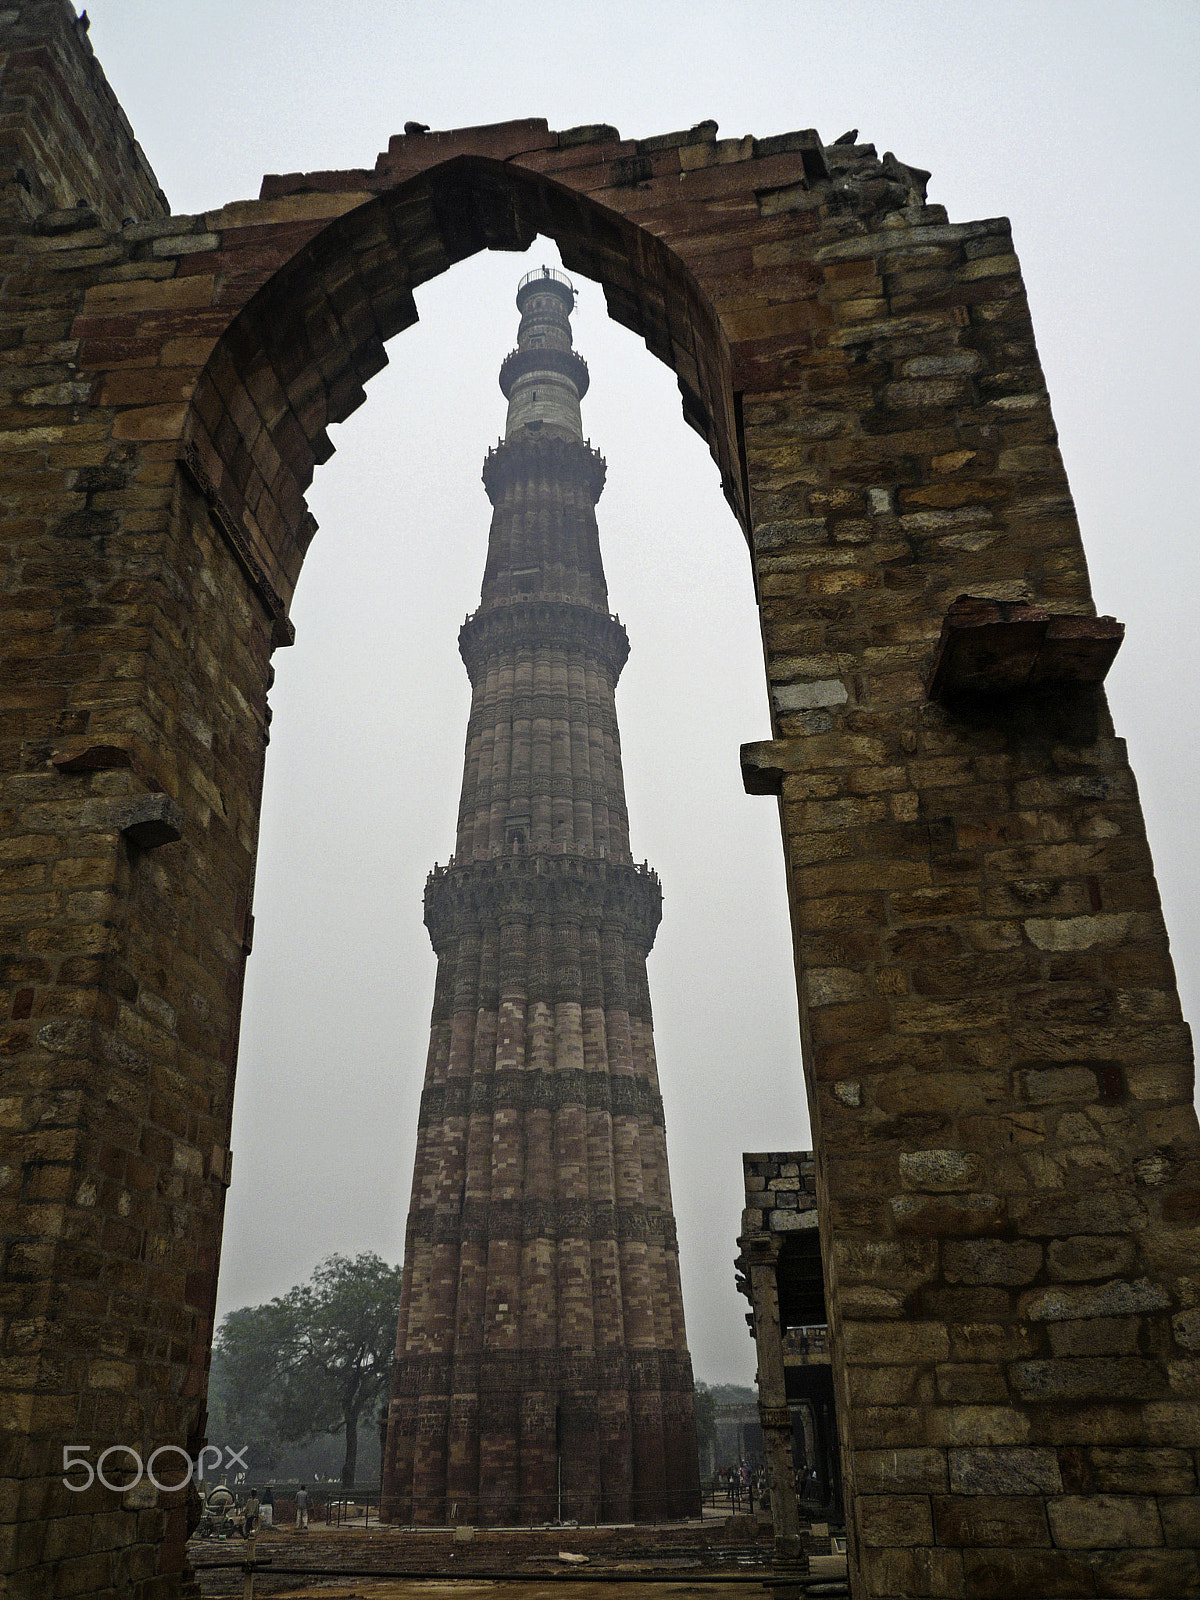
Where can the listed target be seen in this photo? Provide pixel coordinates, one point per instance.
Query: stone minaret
(541, 1362)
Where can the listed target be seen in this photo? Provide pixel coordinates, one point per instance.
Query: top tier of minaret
(544, 478)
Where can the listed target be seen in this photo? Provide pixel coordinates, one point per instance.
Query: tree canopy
(706, 1419)
(314, 1360)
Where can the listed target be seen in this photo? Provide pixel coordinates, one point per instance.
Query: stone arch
(297, 355)
(1008, 1163)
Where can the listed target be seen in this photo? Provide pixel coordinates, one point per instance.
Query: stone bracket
(150, 821)
(766, 761)
(146, 821)
(95, 758)
(990, 647)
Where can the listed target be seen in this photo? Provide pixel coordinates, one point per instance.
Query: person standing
(302, 1506)
(250, 1515)
(266, 1508)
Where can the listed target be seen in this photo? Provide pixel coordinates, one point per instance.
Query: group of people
(220, 1512)
(743, 1483)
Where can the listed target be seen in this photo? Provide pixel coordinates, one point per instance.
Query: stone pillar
(773, 1410)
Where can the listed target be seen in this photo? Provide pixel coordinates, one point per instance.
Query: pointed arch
(297, 356)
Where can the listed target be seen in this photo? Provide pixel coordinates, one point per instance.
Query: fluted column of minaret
(542, 1365)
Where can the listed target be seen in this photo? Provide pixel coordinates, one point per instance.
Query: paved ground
(547, 1589)
(434, 1562)
(719, 1558)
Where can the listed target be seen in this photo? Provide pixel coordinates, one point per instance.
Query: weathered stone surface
(1163, 1472)
(1181, 1520)
(1096, 1336)
(1101, 1378)
(1104, 1521)
(1147, 1574)
(979, 1425)
(970, 886)
(902, 1471)
(895, 1519)
(916, 1572)
(1007, 1519)
(1048, 1575)
(1109, 1300)
(1086, 1257)
(1005, 1471)
(879, 1344)
(938, 1169)
(991, 1261)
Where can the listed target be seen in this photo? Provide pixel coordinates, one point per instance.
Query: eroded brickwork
(64, 140)
(1001, 1083)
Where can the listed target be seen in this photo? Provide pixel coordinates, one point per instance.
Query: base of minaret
(507, 1456)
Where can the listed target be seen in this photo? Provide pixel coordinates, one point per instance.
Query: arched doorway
(368, 710)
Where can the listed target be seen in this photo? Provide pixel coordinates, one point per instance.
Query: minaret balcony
(543, 455)
(520, 363)
(566, 887)
(541, 279)
(541, 624)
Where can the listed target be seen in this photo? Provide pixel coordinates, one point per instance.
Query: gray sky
(1078, 120)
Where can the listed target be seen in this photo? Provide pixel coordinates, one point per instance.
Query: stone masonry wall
(781, 1192)
(1000, 1079)
(64, 140)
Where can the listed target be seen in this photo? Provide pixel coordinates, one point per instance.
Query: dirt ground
(544, 1589)
(714, 1559)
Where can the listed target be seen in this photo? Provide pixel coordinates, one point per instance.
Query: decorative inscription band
(483, 1221)
(428, 1376)
(623, 1096)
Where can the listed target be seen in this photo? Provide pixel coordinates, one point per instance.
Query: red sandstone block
(149, 422)
(153, 294)
(145, 385)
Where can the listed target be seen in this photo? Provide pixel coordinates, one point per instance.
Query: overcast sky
(1077, 119)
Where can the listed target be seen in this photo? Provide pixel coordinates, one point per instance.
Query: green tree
(236, 1418)
(314, 1360)
(706, 1422)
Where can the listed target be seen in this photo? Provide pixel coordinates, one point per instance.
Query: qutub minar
(542, 1368)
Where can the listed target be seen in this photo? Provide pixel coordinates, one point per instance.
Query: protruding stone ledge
(990, 647)
(92, 758)
(766, 761)
(532, 455)
(150, 821)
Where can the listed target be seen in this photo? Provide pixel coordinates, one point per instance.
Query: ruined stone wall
(64, 140)
(1000, 1079)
